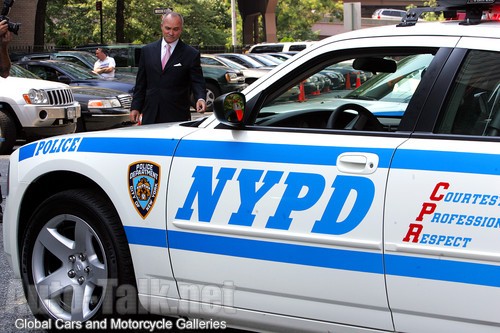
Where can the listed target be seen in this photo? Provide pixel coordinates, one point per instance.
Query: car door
(443, 203)
(284, 216)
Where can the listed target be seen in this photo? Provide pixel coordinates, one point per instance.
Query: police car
(367, 210)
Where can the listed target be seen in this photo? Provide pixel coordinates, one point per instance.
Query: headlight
(36, 96)
(104, 103)
(232, 78)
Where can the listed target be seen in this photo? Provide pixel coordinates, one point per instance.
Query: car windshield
(232, 64)
(77, 71)
(266, 61)
(90, 58)
(394, 87)
(18, 71)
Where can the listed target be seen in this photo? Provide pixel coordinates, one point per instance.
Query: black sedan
(74, 75)
(101, 108)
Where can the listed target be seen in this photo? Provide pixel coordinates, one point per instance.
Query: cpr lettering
(415, 229)
(302, 191)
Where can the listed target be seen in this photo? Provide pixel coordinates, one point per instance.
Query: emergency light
(473, 11)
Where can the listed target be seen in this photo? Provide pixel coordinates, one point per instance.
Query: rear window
(267, 48)
(298, 47)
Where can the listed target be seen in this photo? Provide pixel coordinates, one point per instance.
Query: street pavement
(13, 306)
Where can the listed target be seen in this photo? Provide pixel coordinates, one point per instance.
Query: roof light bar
(473, 11)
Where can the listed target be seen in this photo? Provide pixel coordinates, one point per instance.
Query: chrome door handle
(361, 163)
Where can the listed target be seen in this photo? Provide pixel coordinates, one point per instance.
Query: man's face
(171, 28)
(99, 54)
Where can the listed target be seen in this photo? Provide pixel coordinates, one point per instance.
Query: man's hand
(201, 106)
(5, 38)
(3, 27)
(135, 116)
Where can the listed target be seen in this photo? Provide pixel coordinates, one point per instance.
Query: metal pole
(233, 23)
(102, 40)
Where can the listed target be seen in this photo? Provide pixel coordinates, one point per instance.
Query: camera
(11, 26)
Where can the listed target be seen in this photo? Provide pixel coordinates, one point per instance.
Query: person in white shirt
(105, 65)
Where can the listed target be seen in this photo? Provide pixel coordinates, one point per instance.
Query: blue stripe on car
(350, 260)
(408, 159)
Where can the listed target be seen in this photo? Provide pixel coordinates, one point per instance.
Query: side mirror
(229, 108)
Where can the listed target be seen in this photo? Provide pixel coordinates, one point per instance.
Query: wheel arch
(47, 185)
(5, 107)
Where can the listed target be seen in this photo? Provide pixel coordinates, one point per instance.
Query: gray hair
(170, 12)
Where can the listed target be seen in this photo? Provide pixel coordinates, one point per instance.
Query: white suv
(388, 14)
(32, 108)
(368, 209)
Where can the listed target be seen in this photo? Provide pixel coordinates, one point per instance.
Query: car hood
(95, 91)
(15, 83)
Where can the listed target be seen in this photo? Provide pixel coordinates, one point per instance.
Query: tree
(69, 23)
(120, 21)
(295, 18)
(41, 9)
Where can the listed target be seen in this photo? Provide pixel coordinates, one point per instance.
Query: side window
(39, 71)
(72, 60)
(367, 92)
(472, 107)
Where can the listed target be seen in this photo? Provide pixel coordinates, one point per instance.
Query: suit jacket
(165, 95)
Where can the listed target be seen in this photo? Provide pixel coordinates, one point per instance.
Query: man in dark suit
(162, 91)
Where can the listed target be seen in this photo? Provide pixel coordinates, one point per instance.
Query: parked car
(251, 74)
(245, 60)
(265, 59)
(220, 80)
(279, 47)
(388, 14)
(74, 75)
(82, 58)
(101, 108)
(372, 214)
(126, 55)
(31, 109)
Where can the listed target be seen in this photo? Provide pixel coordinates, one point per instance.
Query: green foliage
(76, 22)
(207, 22)
(432, 16)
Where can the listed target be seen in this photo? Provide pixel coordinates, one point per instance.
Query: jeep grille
(60, 96)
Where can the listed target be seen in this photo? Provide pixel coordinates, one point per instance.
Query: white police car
(376, 209)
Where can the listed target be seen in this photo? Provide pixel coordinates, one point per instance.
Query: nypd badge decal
(143, 181)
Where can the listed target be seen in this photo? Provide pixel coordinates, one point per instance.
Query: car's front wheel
(8, 133)
(75, 257)
(212, 93)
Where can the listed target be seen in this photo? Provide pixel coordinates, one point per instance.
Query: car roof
(489, 29)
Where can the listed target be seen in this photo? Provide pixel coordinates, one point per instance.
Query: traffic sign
(162, 10)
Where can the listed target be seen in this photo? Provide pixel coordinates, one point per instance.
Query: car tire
(8, 133)
(212, 93)
(75, 259)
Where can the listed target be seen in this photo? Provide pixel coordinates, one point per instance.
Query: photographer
(5, 38)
